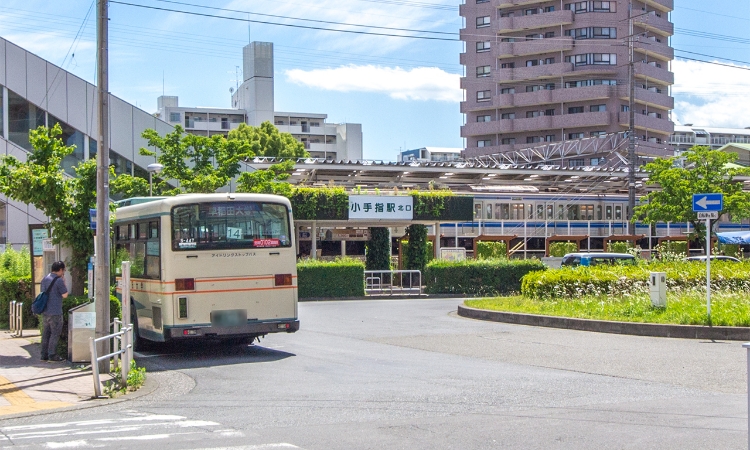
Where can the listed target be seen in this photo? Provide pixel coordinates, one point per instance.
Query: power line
(711, 56)
(715, 63)
(291, 25)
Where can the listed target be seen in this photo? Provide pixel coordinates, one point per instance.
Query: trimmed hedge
(682, 276)
(558, 249)
(344, 277)
(16, 289)
(478, 277)
(491, 249)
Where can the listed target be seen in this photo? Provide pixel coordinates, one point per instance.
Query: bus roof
(157, 206)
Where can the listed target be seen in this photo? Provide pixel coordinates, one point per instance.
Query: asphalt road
(393, 374)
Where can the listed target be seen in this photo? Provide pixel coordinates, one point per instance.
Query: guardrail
(393, 282)
(122, 340)
(16, 318)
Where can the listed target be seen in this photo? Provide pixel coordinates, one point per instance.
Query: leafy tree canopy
(40, 181)
(704, 171)
(270, 181)
(266, 140)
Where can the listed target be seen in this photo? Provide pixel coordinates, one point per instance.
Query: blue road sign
(708, 202)
(92, 218)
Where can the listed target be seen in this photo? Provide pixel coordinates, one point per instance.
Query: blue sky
(405, 92)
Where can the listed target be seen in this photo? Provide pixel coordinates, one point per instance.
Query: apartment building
(542, 71)
(431, 154)
(253, 103)
(688, 135)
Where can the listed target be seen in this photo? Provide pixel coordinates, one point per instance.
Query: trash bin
(658, 289)
(81, 327)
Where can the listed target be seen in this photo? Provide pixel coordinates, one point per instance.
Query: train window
(598, 212)
(587, 212)
(560, 212)
(504, 211)
(550, 211)
(531, 211)
(609, 212)
(489, 211)
(618, 212)
(574, 212)
(477, 210)
(517, 211)
(540, 212)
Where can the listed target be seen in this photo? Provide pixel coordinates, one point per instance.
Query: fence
(393, 282)
(16, 318)
(122, 340)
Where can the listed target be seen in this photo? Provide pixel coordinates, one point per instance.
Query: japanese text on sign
(380, 207)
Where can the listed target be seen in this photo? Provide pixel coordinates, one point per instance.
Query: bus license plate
(229, 318)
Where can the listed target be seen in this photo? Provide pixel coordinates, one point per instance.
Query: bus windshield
(235, 225)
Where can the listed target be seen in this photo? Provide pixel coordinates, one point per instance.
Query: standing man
(52, 316)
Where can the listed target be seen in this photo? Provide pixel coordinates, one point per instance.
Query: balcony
(661, 5)
(532, 73)
(582, 120)
(534, 21)
(650, 72)
(555, 96)
(600, 70)
(649, 98)
(541, 123)
(655, 24)
(658, 50)
(473, 9)
(648, 123)
(534, 47)
(472, 152)
(512, 3)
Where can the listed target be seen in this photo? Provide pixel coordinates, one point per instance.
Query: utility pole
(101, 272)
(631, 125)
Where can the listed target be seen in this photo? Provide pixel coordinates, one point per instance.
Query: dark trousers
(51, 334)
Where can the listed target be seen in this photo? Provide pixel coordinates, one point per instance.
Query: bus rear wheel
(139, 344)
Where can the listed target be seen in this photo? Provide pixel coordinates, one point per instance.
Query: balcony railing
(533, 72)
(655, 24)
(655, 49)
(534, 47)
(533, 21)
(653, 73)
(649, 123)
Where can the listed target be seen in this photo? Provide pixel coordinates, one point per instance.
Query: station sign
(381, 207)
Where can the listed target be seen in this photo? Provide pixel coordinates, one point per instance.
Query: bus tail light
(182, 307)
(284, 279)
(184, 284)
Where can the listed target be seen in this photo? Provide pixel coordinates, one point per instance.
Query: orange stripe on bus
(213, 291)
(213, 280)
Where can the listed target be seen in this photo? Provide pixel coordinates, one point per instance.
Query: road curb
(600, 326)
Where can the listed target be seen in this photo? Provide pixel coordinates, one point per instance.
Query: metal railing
(393, 282)
(122, 340)
(16, 318)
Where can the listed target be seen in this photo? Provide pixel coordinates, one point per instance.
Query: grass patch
(727, 309)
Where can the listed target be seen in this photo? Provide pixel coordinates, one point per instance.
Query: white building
(686, 136)
(253, 103)
(431, 154)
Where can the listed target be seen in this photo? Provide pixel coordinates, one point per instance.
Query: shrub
(378, 249)
(15, 263)
(415, 254)
(344, 277)
(16, 288)
(562, 248)
(671, 250)
(491, 249)
(619, 247)
(478, 276)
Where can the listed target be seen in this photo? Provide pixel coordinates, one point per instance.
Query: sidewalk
(28, 384)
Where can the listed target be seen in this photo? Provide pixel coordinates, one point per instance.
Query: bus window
(238, 225)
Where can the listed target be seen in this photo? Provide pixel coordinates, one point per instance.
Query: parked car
(596, 259)
(713, 258)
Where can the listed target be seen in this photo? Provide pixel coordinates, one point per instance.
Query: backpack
(40, 302)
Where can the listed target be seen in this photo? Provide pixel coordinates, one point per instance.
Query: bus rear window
(230, 225)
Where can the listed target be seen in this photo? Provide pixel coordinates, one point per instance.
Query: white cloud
(422, 83)
(711, 95)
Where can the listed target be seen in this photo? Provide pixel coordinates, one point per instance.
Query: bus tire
(139, 344)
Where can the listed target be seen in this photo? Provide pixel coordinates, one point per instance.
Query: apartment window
(592, 33)
(592, 6)
(549, 86)
(483, 21)
(598, 133)
(483, 71)
(598, 108)
(584, 83)
(549, 112)
(576, 162)
(508, 40)
(592, 59)
(508, 90)
(575, 135)
(510, 65)
(174, 117)
(485, 118)
(506, 116)
(482, 1)
(549, 138)
(549, 60)
(624, 108)
(654, 114)
(532, 114)
(603, 6)
(484, 143)
(533, 139)
(549, 9)
(531, 37)
(483, 46)
(483, 96)
(549, 34)
(508, 14)
(530, 12)
(533, 88)
(509, 141)
(575, 110)
(578, 7)
(532, 62)
(598, 162)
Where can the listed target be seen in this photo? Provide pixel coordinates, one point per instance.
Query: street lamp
(152, 168)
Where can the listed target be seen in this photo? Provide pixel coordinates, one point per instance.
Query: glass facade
(22, 117)
(70, 136)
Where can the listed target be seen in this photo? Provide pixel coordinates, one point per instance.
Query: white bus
(208, 266)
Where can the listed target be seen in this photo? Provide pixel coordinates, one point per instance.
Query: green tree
(416, 249)
(266, 140)
(40, 181)
(704, 171)
(378, 249)
(200, 164)
(269, 181)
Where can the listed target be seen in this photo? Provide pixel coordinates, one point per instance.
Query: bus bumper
(251, 329)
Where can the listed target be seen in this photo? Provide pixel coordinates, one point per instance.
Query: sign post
(708, 206)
